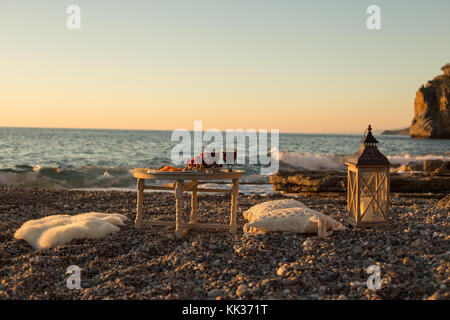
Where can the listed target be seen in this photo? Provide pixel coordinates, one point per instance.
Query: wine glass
(226, 159)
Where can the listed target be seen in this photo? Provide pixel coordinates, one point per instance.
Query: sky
(296, 66)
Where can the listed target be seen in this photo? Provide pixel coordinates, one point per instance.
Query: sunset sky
(297, 66)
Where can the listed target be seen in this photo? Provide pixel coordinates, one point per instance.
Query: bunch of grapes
(207, 159)
(210, 159)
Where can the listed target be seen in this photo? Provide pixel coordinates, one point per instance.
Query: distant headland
(404, 131)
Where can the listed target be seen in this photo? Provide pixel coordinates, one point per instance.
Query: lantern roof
(368, 154)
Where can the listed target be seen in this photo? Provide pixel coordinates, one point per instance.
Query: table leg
(234, 196)
(140, 202)
(194, 218)
(179, 208)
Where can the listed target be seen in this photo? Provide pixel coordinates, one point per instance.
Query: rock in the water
(431, 108)
(297, 181)
(413, 166)
(444, 169)
(431, 165)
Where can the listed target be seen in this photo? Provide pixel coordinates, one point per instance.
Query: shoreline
(412, 253)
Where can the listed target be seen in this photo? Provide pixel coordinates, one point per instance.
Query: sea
(103, 159)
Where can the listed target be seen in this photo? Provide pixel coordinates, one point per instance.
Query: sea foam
(308, 161)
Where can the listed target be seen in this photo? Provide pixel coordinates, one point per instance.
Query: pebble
(217, 262)
(307, 243)
(214, 293)
(407, 261)
(152, 264)
(36, 259)
(281, 271)
(242, 291)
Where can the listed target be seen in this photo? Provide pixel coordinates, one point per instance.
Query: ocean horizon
(103, 158)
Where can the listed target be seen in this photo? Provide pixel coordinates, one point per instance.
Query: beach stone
(286, 292)
(266, 282)
(170, 236)
(282, 270)
(307, 243)
(287, 281)
(435, 296)
(416, 243)
(214, 293)
(407, 261)
(217, 262)
(36, 259)
(243, 291)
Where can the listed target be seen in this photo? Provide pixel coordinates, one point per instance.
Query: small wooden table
(181, 227)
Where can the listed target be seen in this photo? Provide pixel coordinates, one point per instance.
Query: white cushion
(60, 229)
(289, 215)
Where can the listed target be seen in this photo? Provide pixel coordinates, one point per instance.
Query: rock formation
(431, 108)
(336, 182)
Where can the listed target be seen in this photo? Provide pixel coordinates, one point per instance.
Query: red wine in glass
(227, 158)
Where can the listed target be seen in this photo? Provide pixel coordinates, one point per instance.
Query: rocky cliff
(431, 108)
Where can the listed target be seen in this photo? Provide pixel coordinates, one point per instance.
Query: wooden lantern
(368, 183)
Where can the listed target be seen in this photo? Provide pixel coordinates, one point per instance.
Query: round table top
(222, 174)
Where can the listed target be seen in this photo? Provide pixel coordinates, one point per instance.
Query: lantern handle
(369, 128)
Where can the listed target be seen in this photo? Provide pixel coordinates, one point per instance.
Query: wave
(325, 162)
(408, 159)
(54, 177)
(115, 177)
(308, 161)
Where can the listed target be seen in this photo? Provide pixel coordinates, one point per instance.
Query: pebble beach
(413, 253)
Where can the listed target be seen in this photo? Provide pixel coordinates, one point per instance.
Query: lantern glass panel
(382, 195)
(352, 192)
(373, 193)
